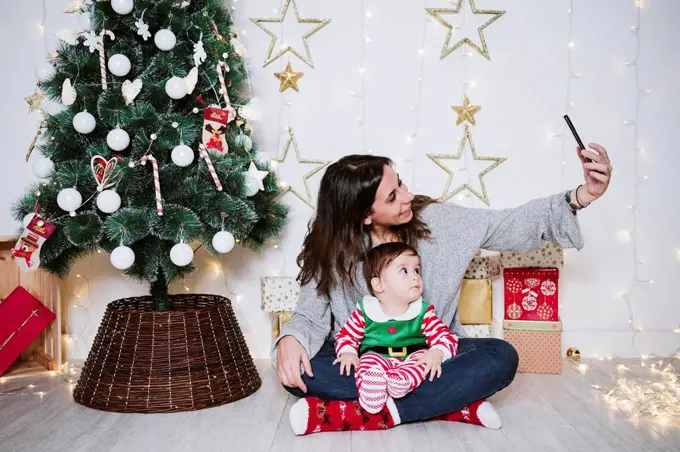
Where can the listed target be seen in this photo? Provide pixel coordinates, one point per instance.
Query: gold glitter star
(446, 50)
(448, 194)
(466, 112)
(288, 78)
(35, 100)
(320, 164)
(320, 23)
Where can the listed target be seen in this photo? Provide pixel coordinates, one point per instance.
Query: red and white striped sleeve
(351, 334)
(438, 335)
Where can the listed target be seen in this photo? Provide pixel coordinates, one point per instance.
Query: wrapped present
(538, 344)
(548, 256)
(279, 293)
(22, 319)
(477, 331)
(484, 267)
(531, 293)
(278, 320)
(475, 302)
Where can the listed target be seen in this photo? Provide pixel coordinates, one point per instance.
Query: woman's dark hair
(381, 256)
(335, 240)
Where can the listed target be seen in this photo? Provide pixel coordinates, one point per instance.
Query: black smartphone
(578, 139)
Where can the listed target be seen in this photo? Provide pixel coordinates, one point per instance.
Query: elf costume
(389, 349)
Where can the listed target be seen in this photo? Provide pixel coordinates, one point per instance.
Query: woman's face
(392, 204)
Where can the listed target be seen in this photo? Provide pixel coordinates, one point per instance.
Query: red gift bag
(22, 318)
(531, 293)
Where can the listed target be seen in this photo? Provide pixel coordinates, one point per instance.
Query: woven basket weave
(190, 358)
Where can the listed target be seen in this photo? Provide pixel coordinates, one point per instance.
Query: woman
(362, 203)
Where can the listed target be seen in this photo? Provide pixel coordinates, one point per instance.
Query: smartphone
(578, 139)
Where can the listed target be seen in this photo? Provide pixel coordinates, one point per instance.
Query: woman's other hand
(290, 354)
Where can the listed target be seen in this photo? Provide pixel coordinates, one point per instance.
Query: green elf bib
(382, 330)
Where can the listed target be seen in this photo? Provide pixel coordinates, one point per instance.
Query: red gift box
(22, 318)
(531, 293)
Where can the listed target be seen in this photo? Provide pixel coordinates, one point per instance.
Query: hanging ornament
(176, 88)
(31, 147)
(223, 242)
(288, 78)
(108, 201)
(191, 79)
(181, 254)
(26, 252)
(85, 21)
(43, 168)
(122, 257)
(69, 199)
(182, 155)
(165, 39)
(44, 71)
(122, 7)
(142, 27)
(119, 65)
(251, 185)
(75, 6)
(211, 169)
(103, 171)
(215, 118)
(263, 158)
(237, 46)
(84, 122)
(35, 100)
(118, 139)
(102, 55)
(68, 93)
(68, 36)
(156, 181)
(131, 90)
(199, 52)
(244, 141)
(257, 175)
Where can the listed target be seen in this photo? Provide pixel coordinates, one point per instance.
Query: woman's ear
(368, 221)
(377, 285)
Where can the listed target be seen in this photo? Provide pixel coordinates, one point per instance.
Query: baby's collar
(374, 312)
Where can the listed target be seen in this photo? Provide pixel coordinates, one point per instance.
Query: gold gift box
(548, 256)
(484, 267)
(278, 320)
(475, 302)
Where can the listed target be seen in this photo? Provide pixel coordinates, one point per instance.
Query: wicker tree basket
(190, 358)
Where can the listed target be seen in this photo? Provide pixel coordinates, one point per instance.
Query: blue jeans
(481, 368)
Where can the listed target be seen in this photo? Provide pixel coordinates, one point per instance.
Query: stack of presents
(530, 286)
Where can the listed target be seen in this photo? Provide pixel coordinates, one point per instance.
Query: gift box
(484, 267)
(548, 256)
(279, 293)
(538, 344)
(475, 302)
(22, 319)
(278, 320)
(531, 293)
(476, 331)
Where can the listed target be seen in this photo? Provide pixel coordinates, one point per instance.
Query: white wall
(523, 94)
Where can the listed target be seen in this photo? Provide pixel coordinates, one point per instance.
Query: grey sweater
(457, 234)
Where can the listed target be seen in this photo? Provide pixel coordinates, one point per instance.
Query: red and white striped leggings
(379, 376)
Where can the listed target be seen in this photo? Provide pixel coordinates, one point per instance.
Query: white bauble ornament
(252, 185)
(27, 219)
(69, 199)
(85, 22)
(182, 155)
(108, 201)
(223, 242)
(44, 71)
(165, 39)
(122, 7)
(119, 65)
(181, 254)
(84, 122)
(43, 168)
(175, 88)
(263, 157)
(122, 257)
(244, 141)
(118, 139)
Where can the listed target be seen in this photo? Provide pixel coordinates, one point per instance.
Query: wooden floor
(547, 413)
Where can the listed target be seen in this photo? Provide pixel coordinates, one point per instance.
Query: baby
(392, 339)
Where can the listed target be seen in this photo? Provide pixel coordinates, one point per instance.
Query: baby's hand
(347, 360)
(433, 362)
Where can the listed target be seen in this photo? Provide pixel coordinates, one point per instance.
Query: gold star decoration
(446, 50)
(466, 112)
(447, 193)
(320, 164)
(75, 6)
(320, 23)
(35, 100)
(289, 78)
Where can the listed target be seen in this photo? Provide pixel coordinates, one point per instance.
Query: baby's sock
(372, 389)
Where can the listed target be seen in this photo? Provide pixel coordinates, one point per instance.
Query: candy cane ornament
(156, 181)
(102, 56)
(223, 90)
(203, 152)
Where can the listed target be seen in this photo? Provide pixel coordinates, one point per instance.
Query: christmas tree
(151, 155)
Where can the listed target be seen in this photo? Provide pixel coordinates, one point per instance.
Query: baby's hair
(380, 257)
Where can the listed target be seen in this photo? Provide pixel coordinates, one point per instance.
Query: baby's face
(401, 279)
